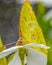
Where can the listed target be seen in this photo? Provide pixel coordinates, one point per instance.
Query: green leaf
(3, 61)
(10, 57)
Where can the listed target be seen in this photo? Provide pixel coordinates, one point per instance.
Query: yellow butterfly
(29, 27)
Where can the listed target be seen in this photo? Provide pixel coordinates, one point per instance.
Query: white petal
(15, 60)
(9, 51)
(36, 45)
(25, 60)
(36, 58)
(48, 15)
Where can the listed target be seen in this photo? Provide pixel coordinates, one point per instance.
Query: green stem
(21, 55)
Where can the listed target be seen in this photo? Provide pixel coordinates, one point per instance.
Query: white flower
(34, 57)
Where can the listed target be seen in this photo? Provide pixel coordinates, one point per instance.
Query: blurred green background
(9, 20)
